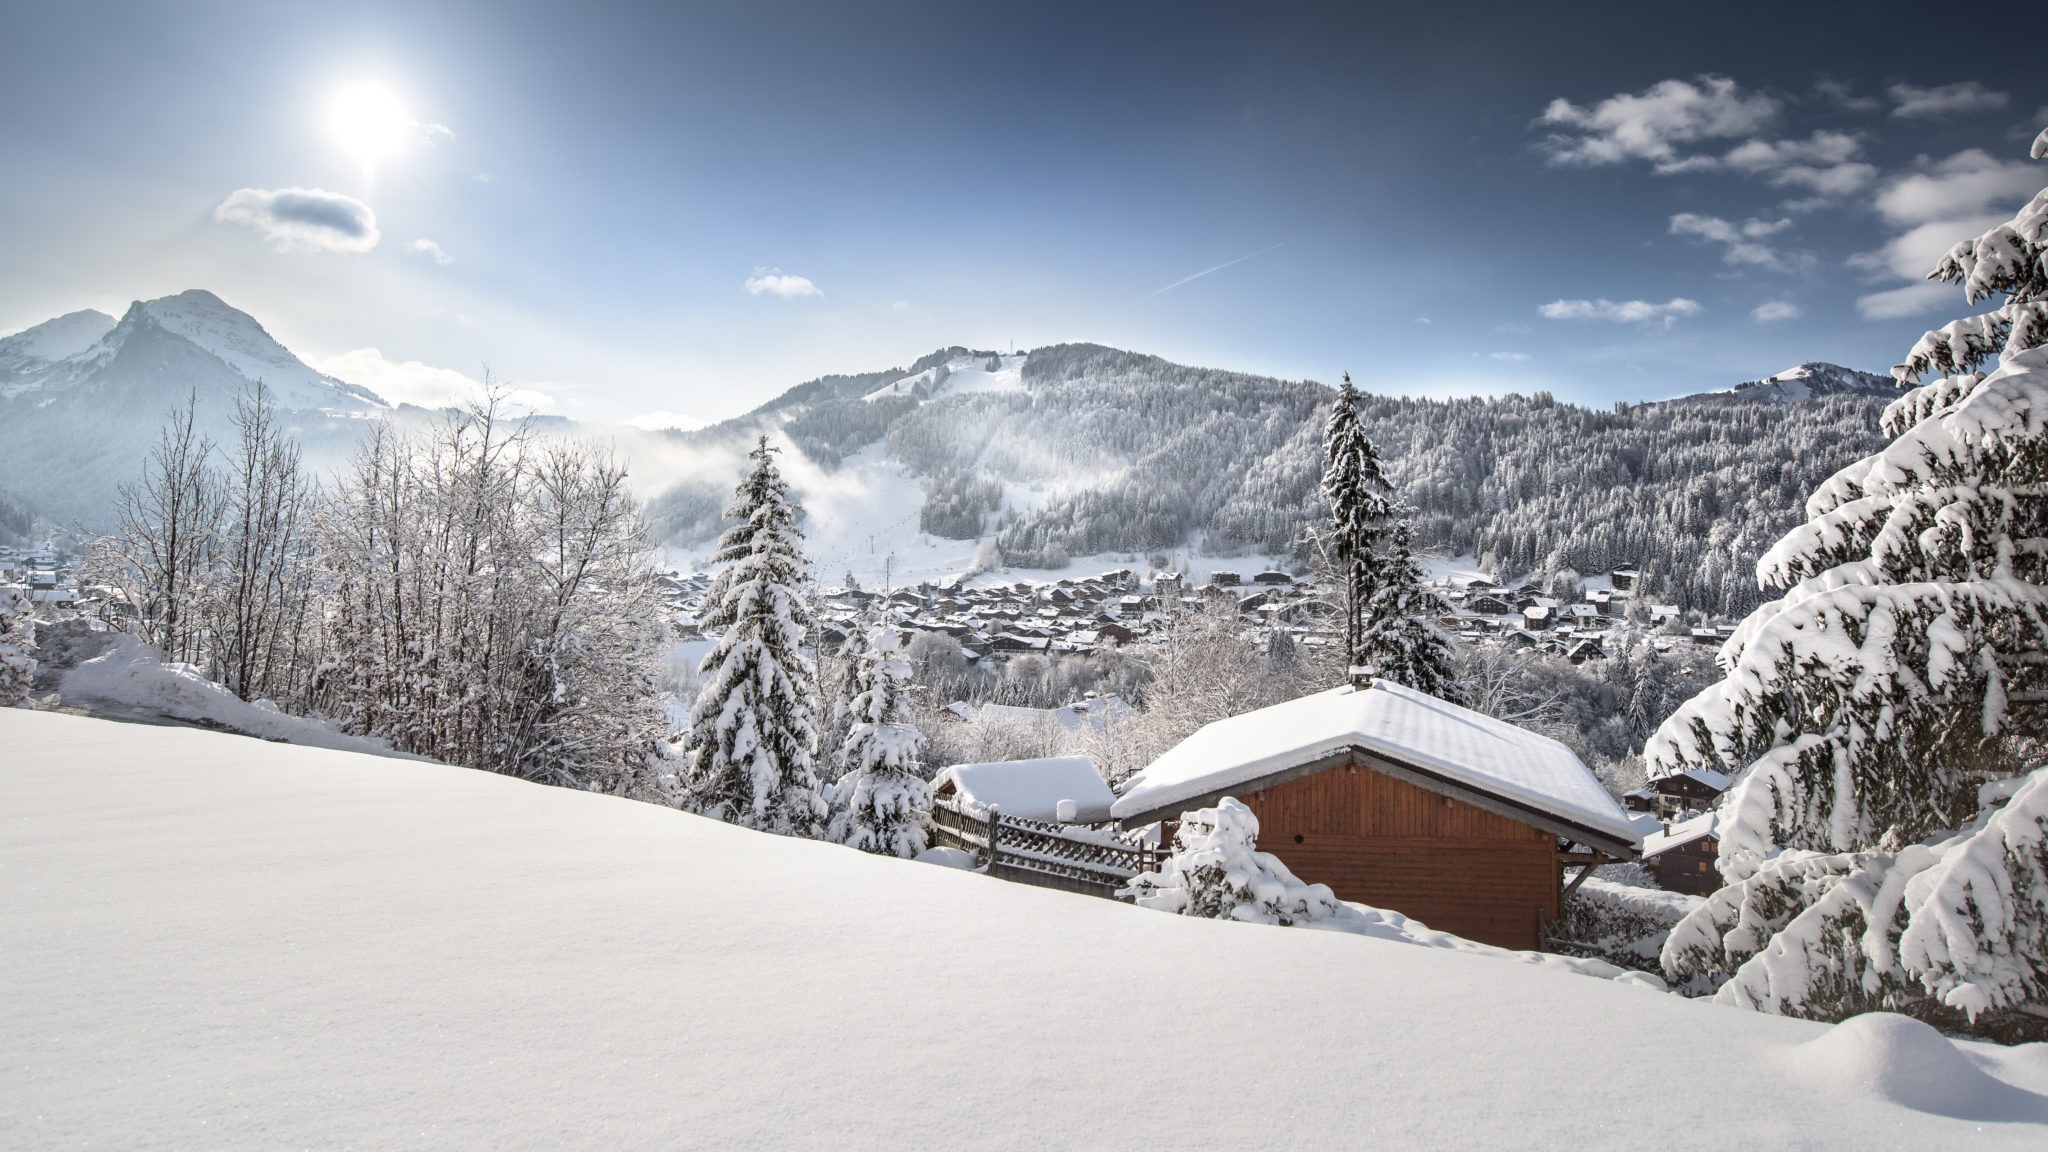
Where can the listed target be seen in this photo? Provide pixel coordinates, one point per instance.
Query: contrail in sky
(1206, 271)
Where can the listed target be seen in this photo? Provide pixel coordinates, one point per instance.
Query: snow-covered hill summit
(220, 942)
(1808, 380)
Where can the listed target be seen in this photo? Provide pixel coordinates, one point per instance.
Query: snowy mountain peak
(1813, 378)
(215, 347)
(52, 340)
(237, 340)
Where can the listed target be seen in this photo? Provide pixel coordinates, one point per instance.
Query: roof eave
(1426, 778)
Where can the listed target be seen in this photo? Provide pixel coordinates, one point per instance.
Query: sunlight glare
(369, 122)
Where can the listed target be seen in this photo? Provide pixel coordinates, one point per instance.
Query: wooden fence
(1090, 859)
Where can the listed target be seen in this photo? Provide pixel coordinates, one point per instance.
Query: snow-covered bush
(17, 645)
(1217, 871)
(1961, 920)
(1901, 668)
(753, 739)
(881, 803)
(1620, 923)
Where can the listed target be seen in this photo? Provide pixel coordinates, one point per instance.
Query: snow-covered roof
(1033, 789)
(1462, 746)
(1682, 833)
(1705, 777)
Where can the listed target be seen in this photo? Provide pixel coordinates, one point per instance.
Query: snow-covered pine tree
(1646, 694)
(753, 730)
(840, 681)
(1402, 641)
(17, 645)
(1874, 857)
(881, 803)
(1360, 504)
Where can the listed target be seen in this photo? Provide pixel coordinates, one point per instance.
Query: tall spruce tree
(752, 756)
(881, 803)
(1360, 503)
(1874, 857)
(1402, 641)
(17, 645)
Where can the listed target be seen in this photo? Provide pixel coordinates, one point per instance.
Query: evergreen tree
(881, 803)
(1873, 857)
(17, 645)
(753, 730)
(1402, 641)
(1360, 505)
(1646, 693)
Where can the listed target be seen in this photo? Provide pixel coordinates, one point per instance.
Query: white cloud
(1512, 357)
(1911, 300)
(1621, 312)
(664, 421)
(1932, 209)
(774, 282)
(1653, 124)
(1914, 253)
(1774, 311)
(302, 219)
(1947, 100)
(1742, 243)
(431, 250)
(901, 305)
(411, 382)
(1824, 163)
(1649, 125)
(1968, 183)
(1844, 95)
(1423, 320)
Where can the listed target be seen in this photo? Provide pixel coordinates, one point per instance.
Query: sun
(368, 121)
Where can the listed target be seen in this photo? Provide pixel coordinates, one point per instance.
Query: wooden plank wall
(1388, 843)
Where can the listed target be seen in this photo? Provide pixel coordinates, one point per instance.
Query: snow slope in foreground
(218, 942)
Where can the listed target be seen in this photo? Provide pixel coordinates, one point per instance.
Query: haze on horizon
(639, 209)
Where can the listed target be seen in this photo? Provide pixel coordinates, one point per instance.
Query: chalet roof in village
(1537, 777)
(1682, 833)
(1032, 789)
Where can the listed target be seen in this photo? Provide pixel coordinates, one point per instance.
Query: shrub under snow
(1620, 923)
(1217, 871)
(1961, 918)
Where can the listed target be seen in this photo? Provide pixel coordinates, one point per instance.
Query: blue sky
(637, 208)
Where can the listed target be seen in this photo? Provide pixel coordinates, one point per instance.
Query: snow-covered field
(217, 942)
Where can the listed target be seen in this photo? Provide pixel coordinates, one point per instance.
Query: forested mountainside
(1141, 455)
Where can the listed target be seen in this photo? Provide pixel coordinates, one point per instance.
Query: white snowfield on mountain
(64, 350)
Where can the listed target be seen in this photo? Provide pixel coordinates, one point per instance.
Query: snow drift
(219, 942)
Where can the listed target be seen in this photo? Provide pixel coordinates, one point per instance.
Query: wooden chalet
(1399, 800)
(1688, 790)
(1682, 856)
